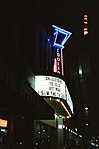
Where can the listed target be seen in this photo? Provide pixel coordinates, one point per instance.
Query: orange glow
(66, 109)
(85, 22)
(85, 32)
(3, 123)
(85, 18)
(85, 15)
(85, 29)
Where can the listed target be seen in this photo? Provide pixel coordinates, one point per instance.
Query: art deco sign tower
(60, 37)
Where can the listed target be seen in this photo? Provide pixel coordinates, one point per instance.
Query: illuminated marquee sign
(50, 86)
(60, 37)
(69, 100)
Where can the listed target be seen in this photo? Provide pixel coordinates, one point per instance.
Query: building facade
(30, 50)
(49, 79)
(19, 103)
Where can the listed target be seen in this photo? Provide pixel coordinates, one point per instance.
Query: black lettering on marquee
(51, 88)
(54, 94)
(47, 92)
(47, 78)
(51, 83)
(58, 94)
(57, 89)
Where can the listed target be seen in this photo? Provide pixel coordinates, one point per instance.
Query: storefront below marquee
(45, 135)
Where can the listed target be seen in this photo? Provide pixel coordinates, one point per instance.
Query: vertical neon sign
(60, 37)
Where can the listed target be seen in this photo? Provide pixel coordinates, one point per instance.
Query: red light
(55, 65)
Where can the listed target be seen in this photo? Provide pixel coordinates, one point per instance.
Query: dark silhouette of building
(20, 105)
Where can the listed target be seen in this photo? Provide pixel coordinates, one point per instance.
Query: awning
(60, 106)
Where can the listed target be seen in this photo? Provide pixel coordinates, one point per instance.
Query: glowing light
(36, 143)
(43, 130)
(46, 86)
(85, 15)
(66, 109)
(74, 132)
(55, 116)
(85, 18)
(3, 130)
(80, 71)
(58, 100)
(69, 100)
(86, 108)
(85, 32)
(66, 35)
(60, 126)
(62, 62)
(80, 136)
(85, 22)
(60, 37)
(3, 123)
(20, 143)
(68, 116)
(85, 29)
(55, 65)
(76, 129)
(63, 126)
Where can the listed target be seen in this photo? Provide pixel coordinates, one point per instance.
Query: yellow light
(86, 19)
(55, 115)
(85, 22)
(58, 100)
(85, 15)
(65, 109)
(85, 32)
(85, 29)
(68, 116)
(63, 126)
(3, 123)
